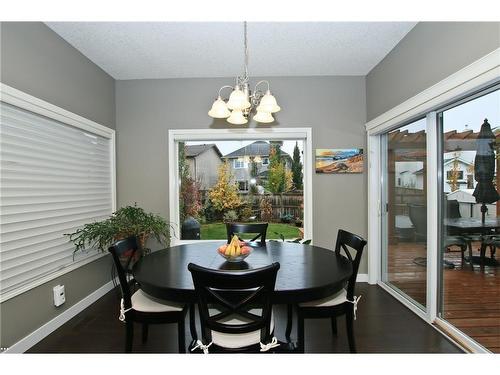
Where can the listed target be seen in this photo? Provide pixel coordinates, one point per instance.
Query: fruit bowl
(235, 251)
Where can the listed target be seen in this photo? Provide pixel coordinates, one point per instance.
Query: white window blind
(54, 178)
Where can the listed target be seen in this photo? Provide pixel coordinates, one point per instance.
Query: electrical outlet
(59, 295)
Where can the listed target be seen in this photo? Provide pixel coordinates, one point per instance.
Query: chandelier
(242, 101)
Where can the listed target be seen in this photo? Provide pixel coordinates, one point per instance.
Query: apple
(245, 250)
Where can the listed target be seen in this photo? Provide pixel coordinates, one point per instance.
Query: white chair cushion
(146, 303)
(240, 340)
(333, 300)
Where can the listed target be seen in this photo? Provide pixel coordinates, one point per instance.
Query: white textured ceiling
(138, 50)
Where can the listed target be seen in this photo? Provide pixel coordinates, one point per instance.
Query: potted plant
(125, 222)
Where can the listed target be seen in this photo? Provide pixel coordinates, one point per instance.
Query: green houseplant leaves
(126, 221)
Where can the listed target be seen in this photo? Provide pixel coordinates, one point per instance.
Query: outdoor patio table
(470, 226)
(307, 272)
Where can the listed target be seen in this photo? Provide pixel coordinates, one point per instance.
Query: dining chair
(256, 228)
(341, 303)
(140, 307)
(235, 309)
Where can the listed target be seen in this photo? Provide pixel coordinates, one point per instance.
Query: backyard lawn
(217, 231)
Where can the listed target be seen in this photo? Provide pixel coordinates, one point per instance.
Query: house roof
(195, 150)
(257, 148)
(449, 160)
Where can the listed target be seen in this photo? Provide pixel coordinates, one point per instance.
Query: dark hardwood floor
(383, 325)
(471, 296)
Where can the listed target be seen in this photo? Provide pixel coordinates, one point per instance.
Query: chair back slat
(346, 240)
(234, 295)
(124, 254)
(259, 228)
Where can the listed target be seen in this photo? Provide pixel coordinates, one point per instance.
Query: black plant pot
(190, 229)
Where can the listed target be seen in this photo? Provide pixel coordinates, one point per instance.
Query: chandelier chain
(245, 42)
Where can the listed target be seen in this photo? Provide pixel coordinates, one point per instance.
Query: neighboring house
(463, 167)
(406, 174)
(241, 159)
(203, 161)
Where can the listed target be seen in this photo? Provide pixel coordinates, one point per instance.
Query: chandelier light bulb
(238, 100)
(237, 118)
(219, 109)
(268, 103)
(263, 117)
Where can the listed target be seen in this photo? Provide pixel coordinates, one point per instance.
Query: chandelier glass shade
(242, 101)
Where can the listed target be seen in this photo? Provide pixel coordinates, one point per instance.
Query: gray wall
(430, 52)
(334, 107)
(37, 61)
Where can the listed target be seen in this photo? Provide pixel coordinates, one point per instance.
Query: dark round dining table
(306, 272)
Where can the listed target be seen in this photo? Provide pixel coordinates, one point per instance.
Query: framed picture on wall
(334, 160)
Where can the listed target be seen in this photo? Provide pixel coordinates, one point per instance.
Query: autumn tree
(224, 194)
(296, 168)
(454, 174)
(189, 195)
(279, 179)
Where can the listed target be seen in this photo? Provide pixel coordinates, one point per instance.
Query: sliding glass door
(470, 286)
(404, 222)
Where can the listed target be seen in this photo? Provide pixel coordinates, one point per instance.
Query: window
(454, 175)
(238, 164)
(55, 178)
(243, 185)
(239, 193)
(265, 161)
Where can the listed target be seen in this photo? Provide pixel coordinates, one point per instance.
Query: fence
(288, 203)
(291, 203)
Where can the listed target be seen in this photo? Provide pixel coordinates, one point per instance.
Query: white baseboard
(362, 278)
(34, 337)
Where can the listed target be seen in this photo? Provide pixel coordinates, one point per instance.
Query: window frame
(255, 134)
(38, 106)
(238, 164)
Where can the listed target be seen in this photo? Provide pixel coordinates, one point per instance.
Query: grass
(217, 231)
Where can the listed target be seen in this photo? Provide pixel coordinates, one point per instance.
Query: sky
(227, 147)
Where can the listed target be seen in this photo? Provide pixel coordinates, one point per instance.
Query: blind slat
(55, 178)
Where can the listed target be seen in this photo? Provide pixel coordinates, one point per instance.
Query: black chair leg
(289, 322)
(192, 325)
(349, 317)
(145, 329)
(129, 337)
(182, 336)
(300, 334)
(334, 325)
(470, 255)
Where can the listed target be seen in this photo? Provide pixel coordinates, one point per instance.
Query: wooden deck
(471, 297)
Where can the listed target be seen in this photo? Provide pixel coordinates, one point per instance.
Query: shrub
(286, 218)
(209, 212)
(266, 210)
(246, 212)
(230, 216)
